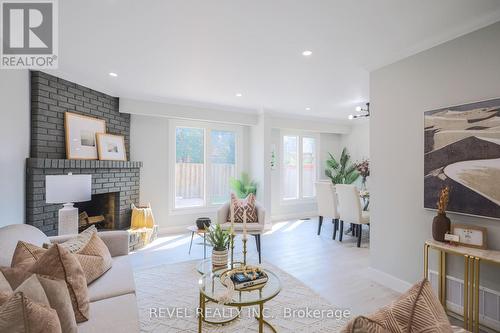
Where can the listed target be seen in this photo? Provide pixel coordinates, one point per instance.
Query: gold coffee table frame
(204, 299)
(472, 264)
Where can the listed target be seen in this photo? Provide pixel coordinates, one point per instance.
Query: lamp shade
(68, 188)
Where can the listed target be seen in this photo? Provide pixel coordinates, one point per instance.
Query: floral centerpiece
(364, 171)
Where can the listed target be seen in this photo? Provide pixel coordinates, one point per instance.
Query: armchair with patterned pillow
(255, 226)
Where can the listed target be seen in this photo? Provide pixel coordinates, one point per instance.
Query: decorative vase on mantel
(441, 225)
(219, 258)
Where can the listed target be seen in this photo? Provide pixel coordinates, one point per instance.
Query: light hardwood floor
(337, 271)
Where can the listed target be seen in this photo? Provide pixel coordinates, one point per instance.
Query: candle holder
(244, 251)
(232, 249)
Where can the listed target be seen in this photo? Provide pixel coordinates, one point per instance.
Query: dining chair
(350, 209)
(327, 206)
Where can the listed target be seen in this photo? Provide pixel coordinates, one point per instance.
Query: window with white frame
(299, 170)
(205, 160)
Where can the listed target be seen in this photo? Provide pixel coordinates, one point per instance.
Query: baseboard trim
(388, 280)
(293, 216)
(173, 229)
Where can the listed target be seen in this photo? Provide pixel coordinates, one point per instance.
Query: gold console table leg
(471, 293)
(426, 260)
(466, 291)
(476, 294)
(442, 278)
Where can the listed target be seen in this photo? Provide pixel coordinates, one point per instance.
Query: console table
(472, 260)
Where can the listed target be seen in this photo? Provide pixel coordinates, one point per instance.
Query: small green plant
(342, 171)
(218, 238)
(244, 186)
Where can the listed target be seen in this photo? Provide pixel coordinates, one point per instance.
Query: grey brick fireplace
(51, 97)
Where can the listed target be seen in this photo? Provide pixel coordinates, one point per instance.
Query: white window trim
(207, 126)
(300, 135)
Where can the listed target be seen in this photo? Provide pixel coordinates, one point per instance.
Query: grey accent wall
(461, 71)
(51, 97)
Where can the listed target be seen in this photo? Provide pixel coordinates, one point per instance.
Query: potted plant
(219, 239)
(342, 171)
(441, 224)
(244, 186)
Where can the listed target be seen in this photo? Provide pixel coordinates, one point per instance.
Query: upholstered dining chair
(327, 206)
(254, 229)
(350, 209)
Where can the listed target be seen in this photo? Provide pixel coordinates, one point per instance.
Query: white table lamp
(67, 189)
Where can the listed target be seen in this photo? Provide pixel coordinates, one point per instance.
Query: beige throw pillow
(55, 293)
(59, 299)
(19, 314)
(59, 263)
(94, 258)
(418, 310)
(363, 324)
(80, 241)
(27, 309)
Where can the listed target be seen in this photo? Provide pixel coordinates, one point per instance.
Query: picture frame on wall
(111, 147)
(470, 236)
(80, 133)
(462, 152)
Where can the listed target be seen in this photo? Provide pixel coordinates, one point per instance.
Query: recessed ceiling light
(239, 94)
(307, 53)
(308, 109)
(351, 117)
(358, 108)
(113, 74)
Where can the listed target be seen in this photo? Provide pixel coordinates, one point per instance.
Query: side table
(200, 232)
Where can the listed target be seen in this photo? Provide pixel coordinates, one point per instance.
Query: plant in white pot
(219, 239)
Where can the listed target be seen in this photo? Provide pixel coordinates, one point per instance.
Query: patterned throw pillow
(418, 310)
(18, 313)
(31, 300)
(363, 324)
(80, 241)
(239, 206)
(42, 290)
(94, 257)
(58, 263)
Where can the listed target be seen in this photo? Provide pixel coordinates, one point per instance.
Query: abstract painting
(462, 151)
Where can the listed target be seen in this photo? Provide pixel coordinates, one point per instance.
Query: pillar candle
(245, 223)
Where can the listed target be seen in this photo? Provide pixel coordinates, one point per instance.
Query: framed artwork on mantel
(81, 133)
(462, 151)
(111, 147)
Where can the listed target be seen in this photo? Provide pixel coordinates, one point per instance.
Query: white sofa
(113, 304)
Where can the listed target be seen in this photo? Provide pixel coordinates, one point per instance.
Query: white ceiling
(201, 53)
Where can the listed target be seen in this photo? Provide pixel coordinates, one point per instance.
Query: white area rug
(168, 298)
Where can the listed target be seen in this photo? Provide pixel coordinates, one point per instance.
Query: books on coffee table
(250, 279)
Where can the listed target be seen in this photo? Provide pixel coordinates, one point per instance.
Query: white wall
(329, 143)
(357, 140)
(149, 143)
(14, 143)
(464, 70)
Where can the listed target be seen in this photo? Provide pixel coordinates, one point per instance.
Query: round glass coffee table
(211, 287)
(205, 266)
